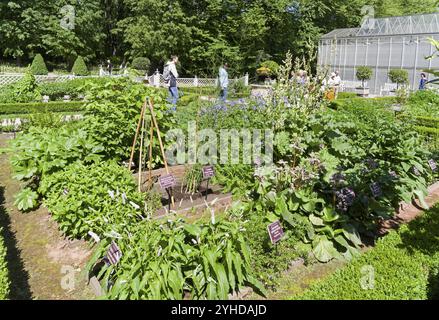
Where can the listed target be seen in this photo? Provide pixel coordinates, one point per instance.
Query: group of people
(170, 74)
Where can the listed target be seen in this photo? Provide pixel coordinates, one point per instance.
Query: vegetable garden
(338, 171)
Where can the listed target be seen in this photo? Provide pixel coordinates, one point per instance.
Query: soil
(41, 261)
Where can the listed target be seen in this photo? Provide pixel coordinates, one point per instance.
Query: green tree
(364, 73)
(399, 76)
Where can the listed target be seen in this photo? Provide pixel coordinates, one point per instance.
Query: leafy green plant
(38, 66)
(174, 259)
(44, 151)
(113, 111)
(92, 198)
(26, 199)
(25, 90)
(80, 68)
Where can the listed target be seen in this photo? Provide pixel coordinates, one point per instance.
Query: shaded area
(422, 235)
(20, 289)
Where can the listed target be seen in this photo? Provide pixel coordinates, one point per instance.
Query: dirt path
(42, 264)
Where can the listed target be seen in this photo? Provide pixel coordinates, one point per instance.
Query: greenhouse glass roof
(405, 25)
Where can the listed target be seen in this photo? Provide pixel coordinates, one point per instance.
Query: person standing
(171, 75)
(423, 81)
(337, 83)
(224, 81)
(109, 67)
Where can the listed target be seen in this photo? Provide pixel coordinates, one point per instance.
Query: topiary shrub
(399, 76)
(363, 74)
(80, 68)
(268, 68)
(141, 63)
(38, 66)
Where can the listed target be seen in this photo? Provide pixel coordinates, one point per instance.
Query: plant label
(376, 190)
(275, 231)
(167, 182)
(208, 172)
(114, 254)
(416, 171)
(433, 165)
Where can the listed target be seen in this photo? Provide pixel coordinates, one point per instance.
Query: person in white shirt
(171, 75)
(224, 81)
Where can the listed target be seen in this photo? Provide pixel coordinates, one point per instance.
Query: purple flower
(345, 199)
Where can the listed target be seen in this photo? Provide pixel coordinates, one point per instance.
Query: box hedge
(4, 274)
(57, 106)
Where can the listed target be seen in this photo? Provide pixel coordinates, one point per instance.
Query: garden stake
(142, 136)
(142, 112)
(151, 136)
(162, 149)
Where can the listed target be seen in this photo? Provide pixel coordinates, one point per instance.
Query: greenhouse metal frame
(382, 44)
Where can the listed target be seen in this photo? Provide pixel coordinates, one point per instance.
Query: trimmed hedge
(38, 66)
(405, 266)
(4, 274)
(80, 68)
(56, 106)
(73, 88)
(382, 102)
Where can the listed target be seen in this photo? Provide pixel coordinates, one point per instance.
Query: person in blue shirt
(423, 82)
(224, 81)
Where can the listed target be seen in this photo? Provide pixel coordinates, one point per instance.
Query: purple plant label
(208, 172)
(393, 174)
(376, 190)
(111, 194)
(433, 165)
(275, 231)
(114, 254)
(167, 181)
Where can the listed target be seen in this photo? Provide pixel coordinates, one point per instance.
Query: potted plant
(399, 76)
(363, 74)
(267, 70)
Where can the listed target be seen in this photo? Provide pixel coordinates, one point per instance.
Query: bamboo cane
(162, 149)
(142, 137)
(142, 113)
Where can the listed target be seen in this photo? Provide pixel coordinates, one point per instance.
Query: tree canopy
(203, 33)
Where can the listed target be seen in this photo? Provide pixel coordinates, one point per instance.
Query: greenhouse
(382, 44)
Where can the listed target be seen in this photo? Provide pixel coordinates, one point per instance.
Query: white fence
(157, 80)
(6, 79)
